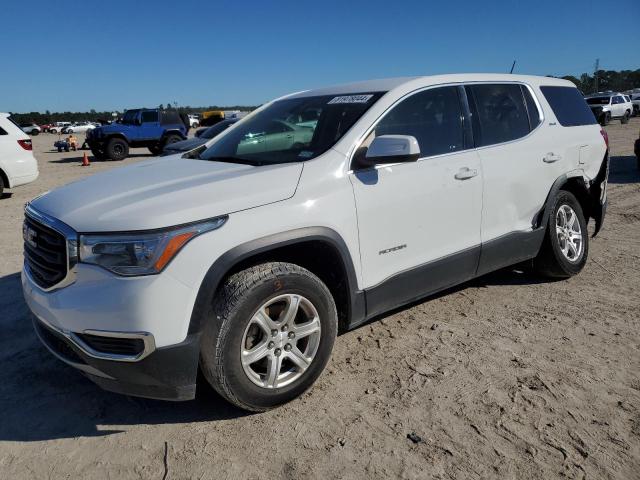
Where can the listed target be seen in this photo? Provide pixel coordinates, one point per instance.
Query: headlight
(132, 254)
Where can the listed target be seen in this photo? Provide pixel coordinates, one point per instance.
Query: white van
(247, 258)
(18, 166)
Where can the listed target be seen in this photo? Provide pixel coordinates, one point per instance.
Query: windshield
(129, 116)
(291, 130)
(598, 101)
(216, 129)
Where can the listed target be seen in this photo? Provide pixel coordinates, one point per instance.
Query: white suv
(18, 166)
(248, 258)
(607, 106)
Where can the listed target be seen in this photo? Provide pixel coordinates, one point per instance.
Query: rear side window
(433, 117)
(570, 108)
(499, 113)
(3, 131)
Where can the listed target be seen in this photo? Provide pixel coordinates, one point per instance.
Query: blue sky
(117, 54)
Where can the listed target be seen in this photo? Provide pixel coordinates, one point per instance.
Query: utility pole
(595, 75)
(513, 66)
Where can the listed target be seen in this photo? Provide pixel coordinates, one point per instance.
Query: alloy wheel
(280, 341)
(569, 233)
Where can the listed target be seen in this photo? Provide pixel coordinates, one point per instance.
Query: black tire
(117, 149)
(1, 187)
(169, 139)
(606, 118)
(550, 261)
(235, 304)
(34, 132)
(625, 118)
(156, 149)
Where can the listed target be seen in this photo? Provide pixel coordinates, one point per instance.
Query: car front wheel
(269, 336)
(117, 149)
(565, 247)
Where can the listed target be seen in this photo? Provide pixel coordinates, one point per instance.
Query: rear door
(419, 223)
(518, 163)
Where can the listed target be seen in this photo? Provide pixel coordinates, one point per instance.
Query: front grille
(57, 343)
(113, 345)
(45, 252)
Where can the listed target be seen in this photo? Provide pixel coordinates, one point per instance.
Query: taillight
(26, 144)
(605, 136)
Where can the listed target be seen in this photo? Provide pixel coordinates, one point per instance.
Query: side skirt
(433, 277)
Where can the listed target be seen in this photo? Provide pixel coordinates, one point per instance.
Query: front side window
(149, 117)
(433, 117)
(291, 130)
(499, 113)
(130, 116)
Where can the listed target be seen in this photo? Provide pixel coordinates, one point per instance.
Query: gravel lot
(503, 377)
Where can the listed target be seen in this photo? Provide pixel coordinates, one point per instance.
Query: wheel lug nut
(292, 335)
(287, 348)
(274, 333)
(277, 351)
(285, 328)
(271, 345)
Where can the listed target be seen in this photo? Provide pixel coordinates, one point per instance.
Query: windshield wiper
(243, 161)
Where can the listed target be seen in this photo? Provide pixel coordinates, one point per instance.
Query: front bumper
(167, 373)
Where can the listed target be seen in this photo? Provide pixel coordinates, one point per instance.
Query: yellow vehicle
(211, 117)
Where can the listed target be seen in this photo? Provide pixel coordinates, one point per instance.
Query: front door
(419, 223)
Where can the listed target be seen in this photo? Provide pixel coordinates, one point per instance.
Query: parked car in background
(79, 127)
(18, 166)
(30, 128)
(46, 126)
(635, 102)
(141, 127)
(194, 121)
(200, 140)
(58, 127)
(607, 106)
(244, 263)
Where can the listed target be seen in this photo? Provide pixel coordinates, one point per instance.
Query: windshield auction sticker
(350, 99)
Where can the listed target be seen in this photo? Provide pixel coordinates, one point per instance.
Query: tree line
(602, 80)
(93, 116)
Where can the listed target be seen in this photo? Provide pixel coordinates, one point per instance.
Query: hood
(186, 145)
(166, 191)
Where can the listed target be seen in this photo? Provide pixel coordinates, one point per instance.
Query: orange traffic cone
(85, 160)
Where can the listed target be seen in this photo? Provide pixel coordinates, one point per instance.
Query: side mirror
(392, 149)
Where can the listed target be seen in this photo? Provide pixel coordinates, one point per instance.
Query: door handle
(465, 173)
(551, 157)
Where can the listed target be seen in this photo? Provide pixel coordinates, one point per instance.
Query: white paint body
(420, 204)
(19, 165)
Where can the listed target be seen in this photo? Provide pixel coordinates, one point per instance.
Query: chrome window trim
(362, 138)
(146, 337)
(71, 240)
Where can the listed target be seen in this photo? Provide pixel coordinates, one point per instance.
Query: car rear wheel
(117, 149)
(625, 118)
(1, 186)
(565, 247)
(269, 335)
(34, 132)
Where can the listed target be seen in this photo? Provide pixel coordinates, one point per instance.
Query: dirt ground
(504, 377)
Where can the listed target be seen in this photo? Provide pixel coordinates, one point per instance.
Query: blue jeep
(141, 127)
